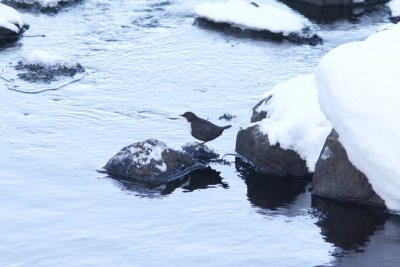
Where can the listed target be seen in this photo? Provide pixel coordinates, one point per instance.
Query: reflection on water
(348, 226)
(198, 179)
(269, 191)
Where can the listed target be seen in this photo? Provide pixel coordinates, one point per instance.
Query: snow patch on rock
(394, 6)
(11, 19)
(47, 58)
(247, 15)
(294, 119)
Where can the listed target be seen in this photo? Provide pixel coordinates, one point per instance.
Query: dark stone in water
(200, 153)
(335, 177)
(151, 161)
(347, 225)
(394, 19)
(7, 35)
(270, 191)
(259, 116)
(267, 158)
(46, 74)
(227, 117)
(305, 37)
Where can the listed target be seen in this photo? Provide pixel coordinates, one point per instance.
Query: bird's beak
(182, 115)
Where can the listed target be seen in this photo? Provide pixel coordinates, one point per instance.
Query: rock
(394, 19)
(227, 117)
(255, 146)
(37, 73)
(151, 161)
(200, 153)
(260, 115)
(304, 37)
(335, 177)
(12, 25)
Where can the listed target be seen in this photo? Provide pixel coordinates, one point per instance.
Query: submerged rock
(12, 25)
(151, 161)
(41, 66)
(335, 177)
(272, 159)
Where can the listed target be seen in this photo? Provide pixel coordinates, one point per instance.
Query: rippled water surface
(148, 62)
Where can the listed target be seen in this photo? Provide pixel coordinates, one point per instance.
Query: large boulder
(335, 177)
(151, 161)
(267, 158)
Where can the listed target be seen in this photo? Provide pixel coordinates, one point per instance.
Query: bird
(202, 129)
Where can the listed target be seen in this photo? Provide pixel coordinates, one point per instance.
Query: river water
(148, 62)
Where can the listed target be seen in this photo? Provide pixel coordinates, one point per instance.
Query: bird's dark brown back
(205, 130)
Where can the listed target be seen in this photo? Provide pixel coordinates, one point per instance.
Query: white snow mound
(47, 58)
(244, 14)
(359, 92)
(10, 19)
(394, 6)
(294, 118)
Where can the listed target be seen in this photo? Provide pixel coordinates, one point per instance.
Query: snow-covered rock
(358, 88)
(43, 66)
(44, 5)
(291, 121)
(12, 24)
(262, 20)
(151, 161)
(394, 6)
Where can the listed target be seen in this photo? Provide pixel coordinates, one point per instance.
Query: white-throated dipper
(202, 129)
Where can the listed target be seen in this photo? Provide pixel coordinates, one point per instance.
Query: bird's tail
(226, 127)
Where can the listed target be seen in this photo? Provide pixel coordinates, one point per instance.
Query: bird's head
(190, 116)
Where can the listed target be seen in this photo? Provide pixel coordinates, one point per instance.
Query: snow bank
(394, 6)
(47, 59)
(294, 118)
(248, 15)
(359, 92)
(10, 19)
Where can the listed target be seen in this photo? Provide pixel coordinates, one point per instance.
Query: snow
(358, 88)
(294, 118)
(10, 18)
(394, 6)
(243, 14)
(43, 3)
(46, 58)
(146, 153)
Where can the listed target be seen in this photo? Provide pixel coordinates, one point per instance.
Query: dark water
(147, 63)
